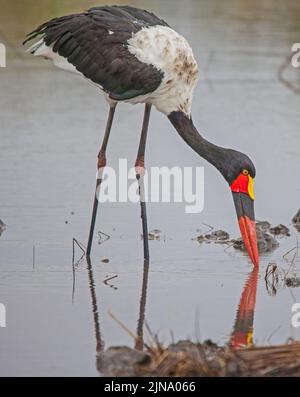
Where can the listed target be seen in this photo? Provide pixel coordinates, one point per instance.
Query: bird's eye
(245, 172)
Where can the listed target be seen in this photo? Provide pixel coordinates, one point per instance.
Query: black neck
(215, 155)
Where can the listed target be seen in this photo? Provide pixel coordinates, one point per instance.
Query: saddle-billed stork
(136, 57)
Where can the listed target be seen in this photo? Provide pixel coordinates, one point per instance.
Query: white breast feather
(169, 52)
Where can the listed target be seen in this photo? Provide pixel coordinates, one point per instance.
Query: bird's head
(239, 171)
(236, 168)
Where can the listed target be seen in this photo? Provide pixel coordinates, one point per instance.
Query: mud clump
(2, 227)
(280, 230)
(218, 236)
(155, 235)
(121, 361)
(265, 226)
(296, 221)
(292, 282)
(265, 237)
(265, 241)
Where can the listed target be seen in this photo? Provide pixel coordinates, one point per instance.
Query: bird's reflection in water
(139, 343)
(139, 340)
(99, 342)
(242, 335)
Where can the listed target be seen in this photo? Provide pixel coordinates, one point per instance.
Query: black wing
(85, 41)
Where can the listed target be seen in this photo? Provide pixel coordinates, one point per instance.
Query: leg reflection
(99, 342)
(139, 343)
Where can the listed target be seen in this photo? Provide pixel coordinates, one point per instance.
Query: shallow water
(51, 123)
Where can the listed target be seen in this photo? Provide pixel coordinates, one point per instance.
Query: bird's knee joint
(140, 167)
(101, 159)
(140, 172)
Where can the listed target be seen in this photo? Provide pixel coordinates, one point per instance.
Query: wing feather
(95, 42)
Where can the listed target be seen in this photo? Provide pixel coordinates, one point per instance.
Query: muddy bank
(189, 359)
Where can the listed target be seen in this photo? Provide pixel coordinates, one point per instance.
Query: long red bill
(244, 206)
(248, 231)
